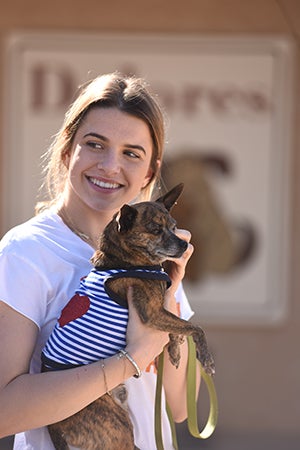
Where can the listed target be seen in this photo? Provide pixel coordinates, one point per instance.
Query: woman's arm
(33, 400)
(175, 379)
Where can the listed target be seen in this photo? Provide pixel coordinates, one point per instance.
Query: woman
(107, 153)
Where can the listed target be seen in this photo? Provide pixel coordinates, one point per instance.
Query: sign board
(226, 97)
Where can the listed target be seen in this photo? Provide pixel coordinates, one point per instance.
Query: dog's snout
(184, 245)
(181, 246)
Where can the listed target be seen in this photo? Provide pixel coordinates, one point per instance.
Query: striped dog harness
(93, 324)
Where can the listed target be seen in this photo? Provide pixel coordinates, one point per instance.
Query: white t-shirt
(41, 264)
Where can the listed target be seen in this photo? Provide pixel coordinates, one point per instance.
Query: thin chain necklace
(70, 224)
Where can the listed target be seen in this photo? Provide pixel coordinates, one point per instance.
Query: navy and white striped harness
(93, 324)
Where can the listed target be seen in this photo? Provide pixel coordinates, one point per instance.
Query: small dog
(138, 240)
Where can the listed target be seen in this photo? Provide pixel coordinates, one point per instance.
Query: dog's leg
(174, 348)
(167, 321)
(57, 438)
(152, 313)
(202, 352)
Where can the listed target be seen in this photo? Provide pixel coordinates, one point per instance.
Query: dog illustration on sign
(222, 245)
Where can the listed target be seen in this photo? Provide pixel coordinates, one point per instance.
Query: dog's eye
(155, 228)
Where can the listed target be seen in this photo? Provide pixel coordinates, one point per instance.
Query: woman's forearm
(175, 384)
(31, 401)
(175, 379)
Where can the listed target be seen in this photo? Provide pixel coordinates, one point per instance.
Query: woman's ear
(148, 178)
(66, 158)
(151, 173)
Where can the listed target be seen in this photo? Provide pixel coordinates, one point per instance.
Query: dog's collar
(144, 272)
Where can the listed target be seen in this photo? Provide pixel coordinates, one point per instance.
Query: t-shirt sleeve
(23, 286)
(186, 311)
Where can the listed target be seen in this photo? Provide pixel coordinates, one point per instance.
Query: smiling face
(109, 161)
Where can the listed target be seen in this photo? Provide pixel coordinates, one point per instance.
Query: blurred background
(241, 176)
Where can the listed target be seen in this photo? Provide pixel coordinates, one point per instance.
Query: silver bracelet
(138, 373)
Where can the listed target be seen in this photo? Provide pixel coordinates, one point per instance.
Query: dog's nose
(183, 245)
(181, 248)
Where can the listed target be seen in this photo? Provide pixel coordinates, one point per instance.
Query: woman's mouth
(104, 184)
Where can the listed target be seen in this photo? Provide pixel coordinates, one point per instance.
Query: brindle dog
(139, 235)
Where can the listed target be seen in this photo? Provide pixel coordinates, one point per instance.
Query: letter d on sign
(52, 87)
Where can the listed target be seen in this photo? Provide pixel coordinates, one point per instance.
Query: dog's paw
(174, 357)
(174, 349)
(207, 362)
(175, 361)
(120, 394)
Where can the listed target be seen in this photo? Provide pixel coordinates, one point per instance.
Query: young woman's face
(109, 162)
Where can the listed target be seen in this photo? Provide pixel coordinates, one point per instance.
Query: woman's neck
(84, 222)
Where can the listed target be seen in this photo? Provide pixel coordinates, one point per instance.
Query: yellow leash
(157, 409)
(192, 419)
(191, 396)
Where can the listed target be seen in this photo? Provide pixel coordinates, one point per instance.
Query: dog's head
(144, 233)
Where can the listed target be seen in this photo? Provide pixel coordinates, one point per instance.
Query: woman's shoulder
(32, 232)
(45, 240)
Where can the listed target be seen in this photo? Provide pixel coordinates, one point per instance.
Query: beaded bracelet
(123, 353)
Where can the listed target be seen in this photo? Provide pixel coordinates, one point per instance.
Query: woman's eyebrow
(103, 138)
(136, 147)
(96, 135)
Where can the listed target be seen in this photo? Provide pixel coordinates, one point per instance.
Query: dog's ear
(170, 198)
(125, 218)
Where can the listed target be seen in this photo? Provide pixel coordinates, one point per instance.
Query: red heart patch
(77, 307)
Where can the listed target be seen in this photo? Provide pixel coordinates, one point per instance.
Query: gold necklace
(70, 224)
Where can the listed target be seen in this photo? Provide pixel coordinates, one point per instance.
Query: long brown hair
(128, 94)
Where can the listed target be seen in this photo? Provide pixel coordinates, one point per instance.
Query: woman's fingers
(143, 343)
(176, 266)
(183, 234)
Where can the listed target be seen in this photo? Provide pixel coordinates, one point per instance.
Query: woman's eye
(95, 145)
(131, 154)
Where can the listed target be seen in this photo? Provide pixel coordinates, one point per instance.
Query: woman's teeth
(104, 185)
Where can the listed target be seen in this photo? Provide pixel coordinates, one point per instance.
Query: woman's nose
(109, 163)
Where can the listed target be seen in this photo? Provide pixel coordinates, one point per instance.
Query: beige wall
(258, 370)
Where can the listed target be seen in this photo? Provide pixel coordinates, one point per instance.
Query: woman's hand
(144, 344)
(176, 266)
